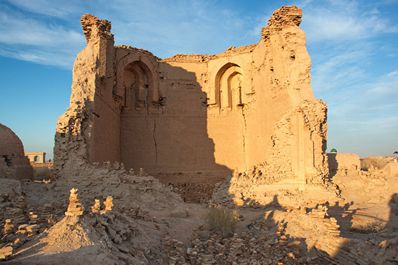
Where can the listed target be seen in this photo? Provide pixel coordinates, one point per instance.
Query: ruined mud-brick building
(219, 113)
(36, 157)
(13, 162)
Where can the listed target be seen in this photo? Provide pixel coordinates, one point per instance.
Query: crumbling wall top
(203, 58)
(92, 25)
(281, 18)
(189, 58)
(237, 50)
(136, 50)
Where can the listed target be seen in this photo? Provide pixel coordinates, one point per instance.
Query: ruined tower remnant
(246, 106)
(13, 163)
(36, 157)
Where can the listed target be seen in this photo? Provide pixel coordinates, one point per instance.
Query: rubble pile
(129, 190)
(194, 192)
(14, 236)
(121, 228)
(109, 236)
(249, 189)
(376, 250)
(12, 202)
(126, 224)
(264, 242)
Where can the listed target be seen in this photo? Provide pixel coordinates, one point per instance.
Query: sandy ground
(353, 220)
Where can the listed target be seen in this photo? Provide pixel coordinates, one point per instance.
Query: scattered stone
(6, 252)
(96, 207)
(108, 203)
(8, 227)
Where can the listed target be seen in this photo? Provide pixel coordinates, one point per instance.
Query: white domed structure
(13, 163)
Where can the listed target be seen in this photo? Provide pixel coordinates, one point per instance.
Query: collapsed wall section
(88, 130)
(298, 145)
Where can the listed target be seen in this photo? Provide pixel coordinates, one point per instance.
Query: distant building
(36, 157)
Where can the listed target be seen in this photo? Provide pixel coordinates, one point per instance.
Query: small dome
(10, 144)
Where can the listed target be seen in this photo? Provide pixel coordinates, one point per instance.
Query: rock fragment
(75, 208)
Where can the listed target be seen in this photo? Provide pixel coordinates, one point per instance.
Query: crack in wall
(244, 135)
(154, 141)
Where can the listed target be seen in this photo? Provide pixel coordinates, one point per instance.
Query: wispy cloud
(37, 41)
(17, 29)
(53, 8)
(339, 21)
(366, 121)
(350, 71)
(183, 27)
(385, 90)
(336, 68)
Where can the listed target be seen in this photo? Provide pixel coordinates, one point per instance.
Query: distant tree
(395, 153)
(334, 150)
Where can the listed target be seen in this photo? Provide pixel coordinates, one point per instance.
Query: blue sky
(353, 46)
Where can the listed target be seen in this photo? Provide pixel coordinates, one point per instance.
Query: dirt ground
(353, 219)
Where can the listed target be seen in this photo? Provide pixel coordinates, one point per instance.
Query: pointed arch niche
(229, 87)
(138, 85)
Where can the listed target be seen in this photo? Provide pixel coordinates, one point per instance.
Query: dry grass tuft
(222, 220)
